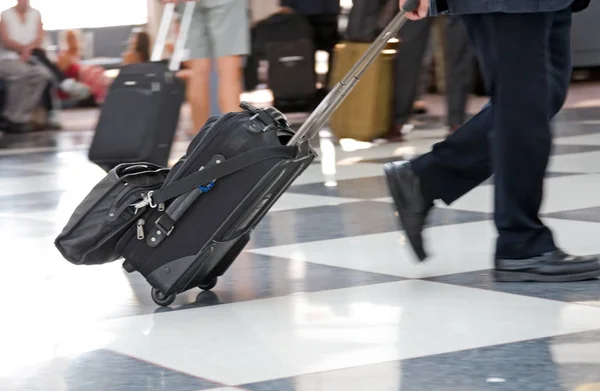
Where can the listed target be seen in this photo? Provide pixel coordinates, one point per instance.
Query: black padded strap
(221, 170)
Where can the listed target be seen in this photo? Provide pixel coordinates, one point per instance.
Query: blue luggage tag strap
(206, 188)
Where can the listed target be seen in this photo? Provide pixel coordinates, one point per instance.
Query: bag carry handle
(319, 117)
(220, 170)
(163, 34)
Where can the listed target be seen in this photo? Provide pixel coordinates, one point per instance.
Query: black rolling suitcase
(285, 40)
(188, 231)
(139, 118)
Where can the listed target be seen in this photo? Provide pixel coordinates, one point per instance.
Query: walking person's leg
(230, 36)
(220, 32)
(414, 38)
(200, 53)
(512, 134)
(198, 92)
(460, 64)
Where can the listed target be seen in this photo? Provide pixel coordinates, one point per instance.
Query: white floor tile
(225, 389)
(587, 139)
(289, 201)
(322, 331)
(560, 194)
(31, 184)
(584, 162)
(454, 249)
(384, 199)
(314, 173)
(78, 179)
(45, 216)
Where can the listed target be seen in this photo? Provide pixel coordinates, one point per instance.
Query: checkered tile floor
(325, 297)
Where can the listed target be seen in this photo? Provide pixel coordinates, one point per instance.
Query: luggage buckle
(168, 231)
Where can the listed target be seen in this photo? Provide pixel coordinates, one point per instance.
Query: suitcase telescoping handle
(163, 34)
(322, 113)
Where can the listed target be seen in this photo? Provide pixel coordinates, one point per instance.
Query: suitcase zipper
(140, 229)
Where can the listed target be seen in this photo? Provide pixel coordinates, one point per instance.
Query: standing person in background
(459, 70)
(323, 16)
(525, 51)
(220, 30)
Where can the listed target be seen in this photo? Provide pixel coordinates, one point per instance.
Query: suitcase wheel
(206, 286)
(161, 299)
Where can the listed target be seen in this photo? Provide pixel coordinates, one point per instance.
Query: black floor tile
(102, 370)
(584, 292)
(565, 363)
(346, 220)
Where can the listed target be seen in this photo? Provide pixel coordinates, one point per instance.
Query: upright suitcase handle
(332, 101)
(163, 34)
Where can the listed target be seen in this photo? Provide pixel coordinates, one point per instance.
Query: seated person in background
(25, 66)
(69, 62)
(138, 50)
(20, 32)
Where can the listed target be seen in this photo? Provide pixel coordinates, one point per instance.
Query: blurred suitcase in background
(367, 113)
(140, 114)
(285, 41)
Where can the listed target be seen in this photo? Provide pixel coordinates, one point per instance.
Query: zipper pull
(140, 229)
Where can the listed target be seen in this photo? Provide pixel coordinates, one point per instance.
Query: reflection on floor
(326, 297)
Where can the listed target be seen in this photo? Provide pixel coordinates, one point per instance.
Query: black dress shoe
(411, 204)
(551, 267)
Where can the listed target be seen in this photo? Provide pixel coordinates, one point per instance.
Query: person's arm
(7, 41)
(39, 39)
(64, 61)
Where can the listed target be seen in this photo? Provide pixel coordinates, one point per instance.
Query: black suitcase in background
(292, 72)
(191, 230)
(140, 115)
(285, 40)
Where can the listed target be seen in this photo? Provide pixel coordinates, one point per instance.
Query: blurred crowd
(236, 38)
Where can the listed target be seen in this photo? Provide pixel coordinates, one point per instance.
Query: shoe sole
(502, 276)
(389, 171)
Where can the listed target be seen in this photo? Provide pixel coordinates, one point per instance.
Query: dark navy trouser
(526, 60)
